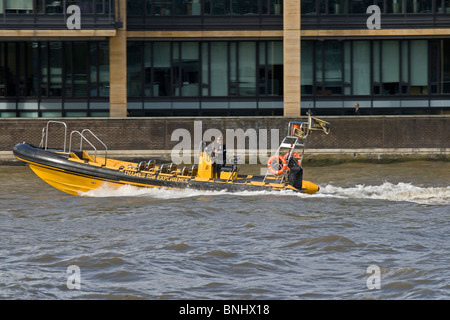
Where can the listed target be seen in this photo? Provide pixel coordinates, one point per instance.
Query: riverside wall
(352, 138)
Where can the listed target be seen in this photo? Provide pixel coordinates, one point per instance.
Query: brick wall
(155, 133)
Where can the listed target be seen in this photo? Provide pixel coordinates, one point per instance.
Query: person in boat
(220, 154)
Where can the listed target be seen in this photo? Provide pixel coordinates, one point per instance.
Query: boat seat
(184, 171)
(194, 170)
(150, 165)
(172, 168)
(141, 166)
(163, 168)
(79, 154)
(227, 168)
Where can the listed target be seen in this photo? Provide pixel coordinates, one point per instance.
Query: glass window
(52, 6)
(21, 69)
(309, 7)
(205, 69)
(189, 69)
(11, 70)
(176, 67)
(2, 70)
(148, 7)
(272, 7)
(93, 71)
(360, 6)
(84, 5)
(419, 66)
(102, 6)
(262, 72)
(44, 68)
(377, 65)
(162, 8)
(187, 7)
(99, 69)
(440, 66)
(247, 68)
(245, 7)
(347, 67)
(150, 88)
(404, 67)
(276, 7)
(390, 70)
(333, 68)
(18, 6)
(68, 69)
(55, 69)
(434, 65)
(329, 68)
(271, 68)
(443, 6)
(445, 65)
(134, 65)
(319, 67)
(31, 64)
(220, 7)
(103, 69)
(361, 68)
(307, 67)
(161, 68)
(219, 69)
(28, 114)
(233, 73)
(336, 6)
(445, 69)
(80, 69)
(394, 6)
(418, 6)
(136, 8)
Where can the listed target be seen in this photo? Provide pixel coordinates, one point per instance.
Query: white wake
(386, 191)
(392, 192)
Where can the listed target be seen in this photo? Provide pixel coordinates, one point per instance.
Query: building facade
(115, 58)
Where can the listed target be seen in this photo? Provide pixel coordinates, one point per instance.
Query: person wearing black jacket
(357, 109)
(220, 154)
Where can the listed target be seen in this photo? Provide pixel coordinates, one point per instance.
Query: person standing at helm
(220, 154)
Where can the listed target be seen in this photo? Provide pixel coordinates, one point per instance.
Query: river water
(373, 231)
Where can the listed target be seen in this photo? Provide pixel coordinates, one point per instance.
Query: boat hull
(67, 181)
(77, 176)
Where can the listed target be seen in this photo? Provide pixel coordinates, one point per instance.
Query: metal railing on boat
(98, 139)
(82, 134)
(297, 133)
(45, 133)
(82, 137)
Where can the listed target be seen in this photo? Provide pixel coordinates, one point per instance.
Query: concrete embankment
(351, 139)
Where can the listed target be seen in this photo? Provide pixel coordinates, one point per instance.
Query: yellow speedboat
(79, 171)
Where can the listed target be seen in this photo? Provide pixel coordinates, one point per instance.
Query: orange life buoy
(280, 160)
(296, 156)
